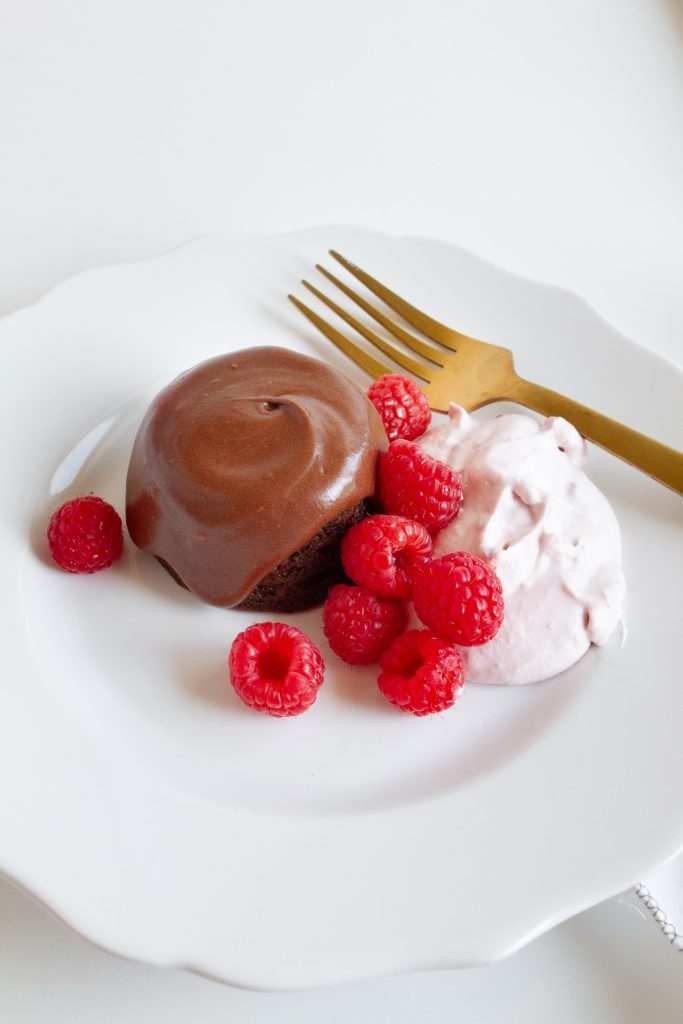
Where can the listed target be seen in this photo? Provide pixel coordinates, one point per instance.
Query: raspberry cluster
(458, 597)
(390, 559)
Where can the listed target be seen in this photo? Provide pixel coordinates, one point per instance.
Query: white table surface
(543, 134)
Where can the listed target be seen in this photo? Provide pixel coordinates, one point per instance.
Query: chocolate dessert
(247, 471)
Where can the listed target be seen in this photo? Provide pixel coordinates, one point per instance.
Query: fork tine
(422, 348)
(348, 347)
(415, 317)
(404, 360)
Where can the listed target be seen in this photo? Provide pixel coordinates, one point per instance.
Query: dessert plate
(163, 820)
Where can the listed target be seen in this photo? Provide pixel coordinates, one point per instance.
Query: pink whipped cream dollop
(550, 534)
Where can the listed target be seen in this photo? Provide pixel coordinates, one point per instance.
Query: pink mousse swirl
(550, 534)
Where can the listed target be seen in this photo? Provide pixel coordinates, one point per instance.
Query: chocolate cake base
(304, 579)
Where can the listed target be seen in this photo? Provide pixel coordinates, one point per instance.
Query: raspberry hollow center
(403, 559)
(412, 665)
(273, 665)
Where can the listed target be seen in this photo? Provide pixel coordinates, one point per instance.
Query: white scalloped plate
(157, 816)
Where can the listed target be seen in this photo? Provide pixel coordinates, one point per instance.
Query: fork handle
(658, 460)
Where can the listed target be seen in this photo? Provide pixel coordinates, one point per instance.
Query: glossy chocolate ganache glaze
(246, 471)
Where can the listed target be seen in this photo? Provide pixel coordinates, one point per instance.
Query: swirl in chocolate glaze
(240, 461)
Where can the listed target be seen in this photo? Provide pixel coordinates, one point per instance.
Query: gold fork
(475, 373)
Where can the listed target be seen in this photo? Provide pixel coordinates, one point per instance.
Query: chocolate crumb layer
(304, 579)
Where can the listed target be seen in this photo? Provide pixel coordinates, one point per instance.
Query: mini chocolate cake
(246, 473)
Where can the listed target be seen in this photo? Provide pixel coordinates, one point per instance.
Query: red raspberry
(413, 484)
(421, 673)
(276, 668)
(380, 552)
(85, 535)
(402, 404)
(460, 598)
(359, 624)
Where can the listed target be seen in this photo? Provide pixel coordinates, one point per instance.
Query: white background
(547, 135)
